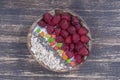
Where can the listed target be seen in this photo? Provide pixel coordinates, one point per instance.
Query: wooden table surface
(102, 17)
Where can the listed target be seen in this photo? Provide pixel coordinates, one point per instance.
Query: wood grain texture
(102, 17)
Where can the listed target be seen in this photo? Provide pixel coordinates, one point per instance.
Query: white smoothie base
(47, 57)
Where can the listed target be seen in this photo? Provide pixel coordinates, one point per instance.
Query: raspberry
(71, 30)
(56, 19)
(50, 29)
(78, 58)
(75, 20)
(84, 51)
(47, 17)
(59, 39)
(65, 47)
(78, 46)
(57, 31)
(68, 39)
(66, 16)
(69, 54)
(75, 38)
(77, 26)
(64, 24)
(82, 31)
(41, 23)
(84, 39)
(64, 33)
(71, 47)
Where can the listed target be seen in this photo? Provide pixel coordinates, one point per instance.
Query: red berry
(78, 58)
(84, 51)
(82, 31)
(50, 29)
(47, 17)
(64, 33)
(72, 47)
(65, 47)
(84, 39)
(59, 39)
(42, 23)
(71, 30)
(64, 24)
(66, 16)
(77, 26)
(75, 20)
(56, 19)
(75, 38)
(69, 54)
(57, 31)
(78, 46)
(68, 39)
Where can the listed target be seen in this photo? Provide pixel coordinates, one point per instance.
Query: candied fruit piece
(38, 30)
(55, 48)
(47, 35)
(64, 56)
(51, 40)
(60, 51)
(59, 45)
(68, 61)
(72, 63)
(42, 34)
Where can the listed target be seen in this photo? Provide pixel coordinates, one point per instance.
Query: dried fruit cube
(72, 63)
(51, 40)
(64, 56)
(68, 61)
(55, 48)
(42, 34)
(47, 35)
(38, 30)
(53, 43)
(60, 51)
(59, 45)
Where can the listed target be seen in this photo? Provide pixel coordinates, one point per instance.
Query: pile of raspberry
(70, 32)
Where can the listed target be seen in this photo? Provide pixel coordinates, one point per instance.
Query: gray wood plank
(102, 17)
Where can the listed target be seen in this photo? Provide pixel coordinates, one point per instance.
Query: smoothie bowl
(59, 40)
